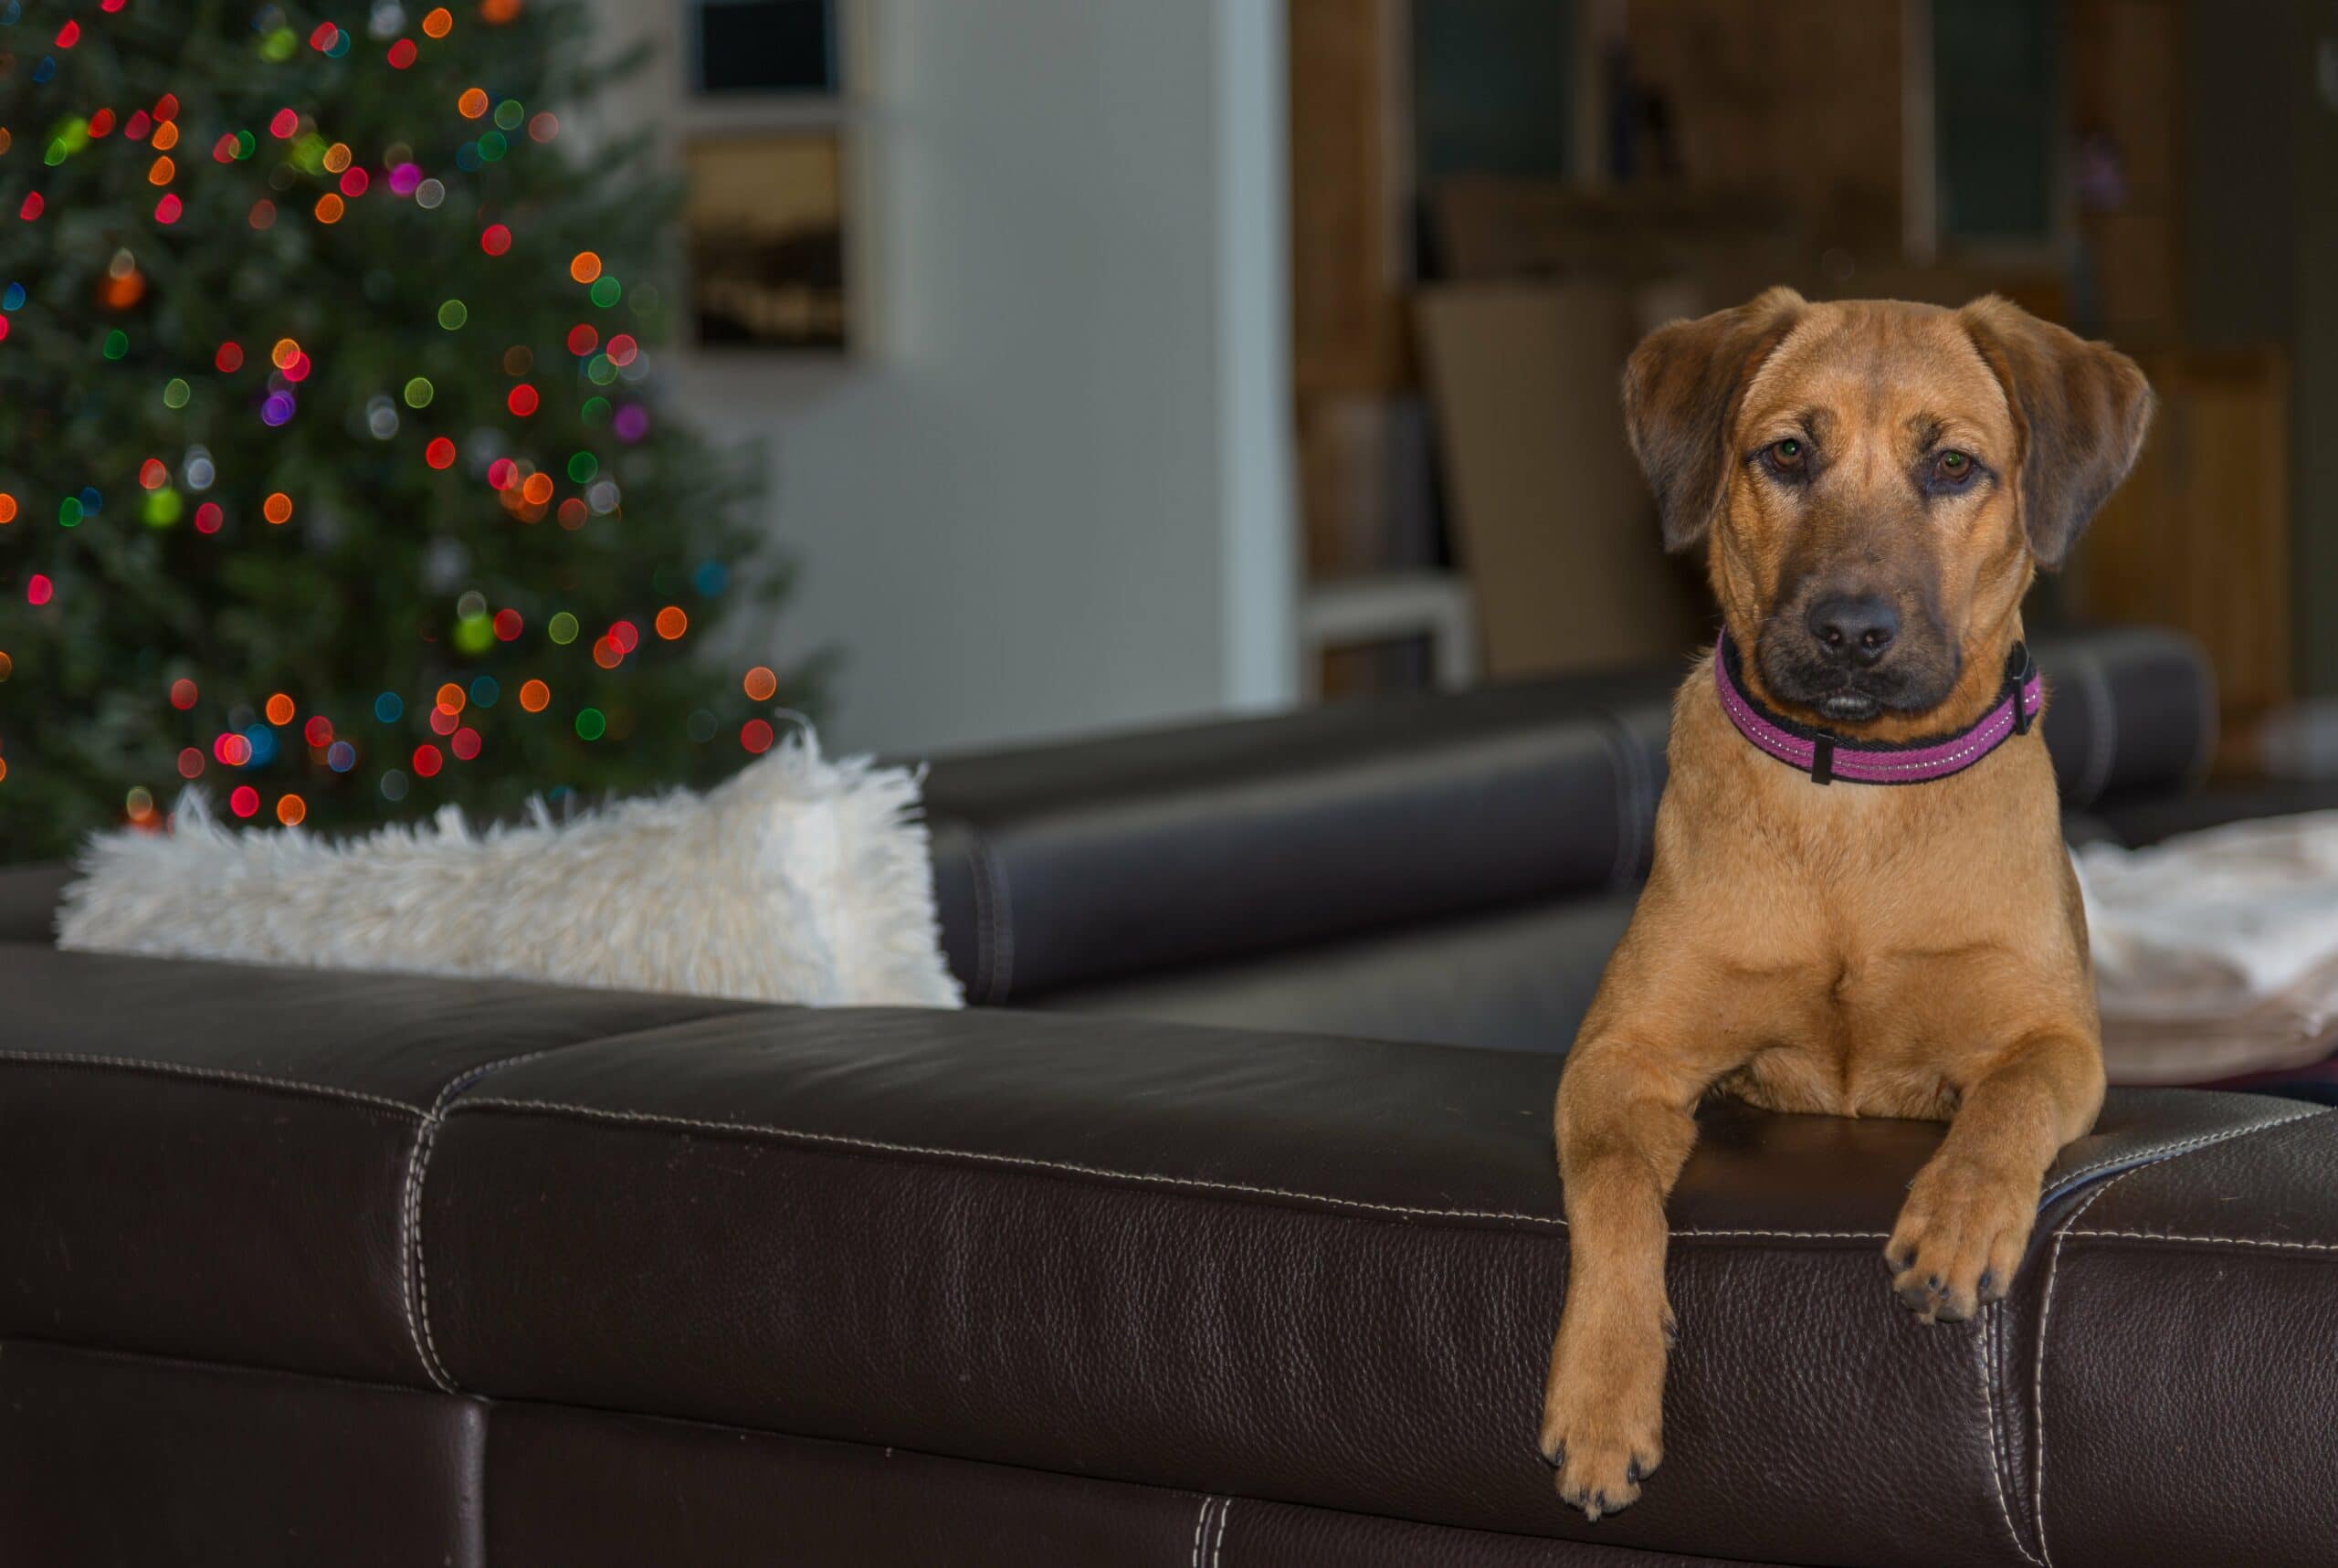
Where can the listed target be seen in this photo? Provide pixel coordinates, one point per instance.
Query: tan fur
(1849, 949)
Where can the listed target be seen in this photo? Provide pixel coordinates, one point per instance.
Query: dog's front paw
(1960, 1238)
(1603, 1421)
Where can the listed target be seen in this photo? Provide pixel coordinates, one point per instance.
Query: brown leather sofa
(299, 1267)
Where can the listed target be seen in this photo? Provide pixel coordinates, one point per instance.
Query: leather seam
(985, 938)
(2037, 1376)
(214, 1075)
(1218, 1552)
(1201, 1523)
(414, 1270)
(2210, 1241)
(1017, 1161)
(2155, 1156)
(1149, 1179)
(1997, 1441)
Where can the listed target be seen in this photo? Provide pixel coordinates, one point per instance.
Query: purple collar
(1827, 756)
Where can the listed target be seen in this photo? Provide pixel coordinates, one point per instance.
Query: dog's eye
(1786, 455)
(1952, 468)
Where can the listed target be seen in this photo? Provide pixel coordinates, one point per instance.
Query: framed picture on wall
(764, 213)
(767, 47)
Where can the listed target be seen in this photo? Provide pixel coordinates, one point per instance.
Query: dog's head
(1880, 482)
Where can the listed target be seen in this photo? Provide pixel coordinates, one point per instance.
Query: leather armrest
(1315, 1271)
(1069, 867)
(1066, 866)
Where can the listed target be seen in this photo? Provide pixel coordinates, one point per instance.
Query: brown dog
(1879, 482)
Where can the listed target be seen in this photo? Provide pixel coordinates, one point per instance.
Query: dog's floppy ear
(2079, 410)
(1681, 394)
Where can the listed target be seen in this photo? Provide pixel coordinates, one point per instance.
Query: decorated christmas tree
(332, 474)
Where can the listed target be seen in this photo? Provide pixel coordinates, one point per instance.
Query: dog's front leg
(1625, 1128)
(1962, 1232)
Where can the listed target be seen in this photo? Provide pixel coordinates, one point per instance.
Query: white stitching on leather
(2213, 1240)
(1193, 1559)
(1218, 1552)
(2153, 1156)
(1796, 1235)
(414, 1274)
(1997, 1452)
(223, 1075)
(2037, 1380)
(1022, 1162)
(414, 1282)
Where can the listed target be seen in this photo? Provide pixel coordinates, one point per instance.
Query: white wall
(1053, 492)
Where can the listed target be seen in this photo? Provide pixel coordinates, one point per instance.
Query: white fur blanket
(798, 880)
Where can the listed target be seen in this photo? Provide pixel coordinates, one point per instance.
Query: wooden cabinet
(2198, 537)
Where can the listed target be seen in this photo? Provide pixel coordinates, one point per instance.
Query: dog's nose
(1854, 629)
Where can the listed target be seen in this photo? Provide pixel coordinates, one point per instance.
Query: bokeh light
(535, 696)
(280, 709)
(278, 508)
(244, 801)
(760, 684)
(672, 621)
(183, 694)
(291, 810)
(584, 267)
